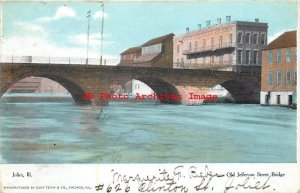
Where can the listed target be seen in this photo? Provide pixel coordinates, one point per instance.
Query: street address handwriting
(188, 179)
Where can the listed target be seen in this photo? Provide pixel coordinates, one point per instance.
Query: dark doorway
(267, 99)
(290, 99)
(278, 100)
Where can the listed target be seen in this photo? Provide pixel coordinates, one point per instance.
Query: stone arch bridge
(79, 79)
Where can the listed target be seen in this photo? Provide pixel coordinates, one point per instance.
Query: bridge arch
(242, 91)
(160, 87)
(74, 89)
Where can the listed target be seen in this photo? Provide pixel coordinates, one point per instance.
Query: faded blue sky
(60, 28)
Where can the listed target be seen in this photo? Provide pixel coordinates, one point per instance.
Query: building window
(196, 45)
(230, 38)
(279, 56)
(288, 55)
(255, 38)
(239, 55)
(221, 59)
(204, 43)
(295, 77)
(212, 59)
(182, 62)
(263, 37)
(190, 45)
(279, 78)
(240, 38)
(178, 48)
(255, 57)
(248, 38)
(270, 56)
(270, 78)
(247, 56)
(220, 41)
(288, 78)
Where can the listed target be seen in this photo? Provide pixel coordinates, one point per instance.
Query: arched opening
(149, 89)
(44, 84)
(243, 91)
(221, 93)
(162, 88)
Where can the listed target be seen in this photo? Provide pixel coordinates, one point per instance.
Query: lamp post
(88, 37)
(102, 26)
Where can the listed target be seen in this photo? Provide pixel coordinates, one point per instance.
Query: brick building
(157, 52)
(129, 55)
(231, 46)
(278, 78)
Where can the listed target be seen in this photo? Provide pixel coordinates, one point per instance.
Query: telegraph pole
(102, 27)
(88, 37)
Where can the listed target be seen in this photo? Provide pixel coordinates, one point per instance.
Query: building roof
(132, 50)
(157, 40)
(146, 57)
(285, 40)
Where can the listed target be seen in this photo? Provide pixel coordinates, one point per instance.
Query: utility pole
(102, 27)
(88, 37)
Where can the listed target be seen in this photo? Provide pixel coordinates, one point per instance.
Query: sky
(60, 28)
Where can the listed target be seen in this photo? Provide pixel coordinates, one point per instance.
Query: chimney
(207, 23)
(199, 26)
(228, 18)
(187, 30)
(256, 20)
(219, 20)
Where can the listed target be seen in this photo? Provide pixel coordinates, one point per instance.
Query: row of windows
(279, 56)
(204, 60)
(250, 58)
(248, 38)
(157, 48)
(190, 47)
(279, 78)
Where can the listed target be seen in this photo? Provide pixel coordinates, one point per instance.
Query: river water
(127, 132)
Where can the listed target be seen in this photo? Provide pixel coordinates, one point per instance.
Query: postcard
(149, 96)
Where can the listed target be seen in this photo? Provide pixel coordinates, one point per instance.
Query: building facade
(129, 55)
(279, 75)
(157, 52)
(231, 46)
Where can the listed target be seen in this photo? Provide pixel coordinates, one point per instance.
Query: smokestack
(199, 26)
(256, 20)
(219, 20)
(228, 18)
(187, 30)
(207, 23)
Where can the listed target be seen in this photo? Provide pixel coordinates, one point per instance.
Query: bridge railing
(251, 67)
(57, 60)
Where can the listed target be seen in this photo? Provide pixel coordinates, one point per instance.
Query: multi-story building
(157, 52)
(279, 76)
(231, 46)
